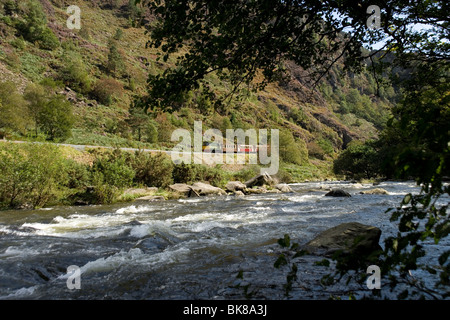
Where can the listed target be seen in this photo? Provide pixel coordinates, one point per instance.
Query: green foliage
(290, 252)
(184, 173)
(32, 66)
(141, 125)
(326, 146)
(135, 13)
(359, 160)
(214, 175)
(31, 174)
(111, 173)
(114, 169)
(115, 64)
(153, 170)
(74, 73)
(13, 109)
(152, 132)
(56, 118)
(37, 98)
(107, 90)
(246, 173)
(118, 35)
(240, 47)
(77, 175)
(10, 7)
(292, 151)
(33, 26)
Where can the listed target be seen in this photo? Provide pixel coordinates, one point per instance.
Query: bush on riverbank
(31, 175)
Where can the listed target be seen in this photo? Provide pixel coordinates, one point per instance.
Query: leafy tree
(56, 118)
(359, 160)
(292, 151)
(37, 98)
(115, 64)
(74, 73)
(152, 132)
(13, 109)
(139, 121)
(33, 27)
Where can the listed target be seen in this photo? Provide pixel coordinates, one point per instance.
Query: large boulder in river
(181, 188)
(375, 191)
(283, 187)
(204, 189)
(261, 180)
(348, 238)
(338, 193)
(234, 186)
(196, 190)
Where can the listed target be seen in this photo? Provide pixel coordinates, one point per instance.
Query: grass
(86, 137)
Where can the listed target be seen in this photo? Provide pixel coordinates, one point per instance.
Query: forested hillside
(80, 87)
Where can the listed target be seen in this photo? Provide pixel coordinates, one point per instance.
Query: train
(214, 147)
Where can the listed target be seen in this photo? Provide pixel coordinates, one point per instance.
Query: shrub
(13, 112)
(153, 170)
(74, 73)
(115, 64)
(247, 173)
(359, 160)
(184, 173)
(31, 174)
(115, 170)
(110, 175)
(103, 193)
(48, 40)
(77, 175)
(215, 176)
(33, 26)
(292, 151)
(106, 90)
(315, 151)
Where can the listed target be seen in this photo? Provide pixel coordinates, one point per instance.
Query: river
(181, 249)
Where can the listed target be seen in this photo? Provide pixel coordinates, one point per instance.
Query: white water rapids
(180, 249)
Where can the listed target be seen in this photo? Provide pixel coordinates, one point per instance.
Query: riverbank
(44, 174)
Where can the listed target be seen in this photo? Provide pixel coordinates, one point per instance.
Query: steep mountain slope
(103, 67)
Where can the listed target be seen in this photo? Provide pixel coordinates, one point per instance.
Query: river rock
(375, 191)
(352, 237)
(140, 191)
(181, 188)
(338, 193)
(150, 198)
(283, 187)
(256, 190)
(204, 189)
(261, 180)
(234, 186)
